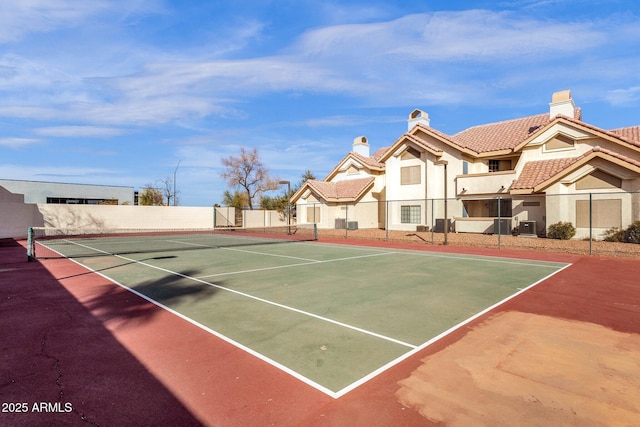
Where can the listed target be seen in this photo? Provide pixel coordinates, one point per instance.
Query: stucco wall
(264, 218)
(107, 216)
(16, 216)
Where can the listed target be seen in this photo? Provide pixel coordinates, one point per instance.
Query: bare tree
(167, 191)
(247, 172)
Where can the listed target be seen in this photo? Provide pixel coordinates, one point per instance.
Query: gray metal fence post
(346, 220)
(386, 219)
(590, 223)
(499, 223)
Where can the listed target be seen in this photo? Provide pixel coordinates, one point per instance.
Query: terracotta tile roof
(436, 132)
(372, 161)
(618, 156)
(422, 143)
(386, 152)
(630, 134)
(346, 190)
(537, 172)
(369, 161)
(380, 152)
(503, 135)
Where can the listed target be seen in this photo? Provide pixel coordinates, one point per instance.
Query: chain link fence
(593, 223)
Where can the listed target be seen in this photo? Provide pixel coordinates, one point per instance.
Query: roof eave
(596, 131)
(583, 161)
(414, 139)
(521, 191)
(503, 152)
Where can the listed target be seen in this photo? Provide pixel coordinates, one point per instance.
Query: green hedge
(561, 231)
(630, 235)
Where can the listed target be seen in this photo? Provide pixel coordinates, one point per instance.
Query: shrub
(614, 234)
(561, 231)
(632, 233)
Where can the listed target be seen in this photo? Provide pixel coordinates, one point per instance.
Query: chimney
(361, 146)
(418, 116)
(561, 103)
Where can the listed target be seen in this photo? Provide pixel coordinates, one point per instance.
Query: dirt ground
(539, 371)
(518, 243)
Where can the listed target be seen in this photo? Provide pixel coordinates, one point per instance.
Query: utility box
(352, 225)
(422, 228)
(341, 223)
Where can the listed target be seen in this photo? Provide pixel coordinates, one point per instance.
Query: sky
(130, 92)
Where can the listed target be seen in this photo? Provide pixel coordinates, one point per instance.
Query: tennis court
(333, 316)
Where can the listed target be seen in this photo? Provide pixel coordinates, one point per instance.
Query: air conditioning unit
(527, 228)
(439, 227)
(352, 225)
(502, 226)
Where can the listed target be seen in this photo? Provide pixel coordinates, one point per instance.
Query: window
(606, 213)
(410, 214)
(465, 168)
(313, 214)
(499, 165)
(505, 208)
(410, 175)
(598, 179)
(80, 201)
(488, 208)
(560, 142)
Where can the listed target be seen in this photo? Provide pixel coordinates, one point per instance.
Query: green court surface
(331, 315)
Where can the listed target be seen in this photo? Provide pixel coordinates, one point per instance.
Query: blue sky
(118, 92)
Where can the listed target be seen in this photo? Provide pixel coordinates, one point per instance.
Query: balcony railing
(484, 183)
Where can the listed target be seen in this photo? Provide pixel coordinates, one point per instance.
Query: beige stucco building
(523, 174)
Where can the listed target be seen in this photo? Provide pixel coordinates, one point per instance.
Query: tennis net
(45, 242)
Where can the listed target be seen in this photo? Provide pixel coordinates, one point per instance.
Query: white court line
(253, 297)
(417, 349)
(239, 250)
(343, 391)
(217, 334)
(296, 265)
(477, 258)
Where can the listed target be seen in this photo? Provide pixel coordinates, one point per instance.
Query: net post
(315, 231)
(30, 245)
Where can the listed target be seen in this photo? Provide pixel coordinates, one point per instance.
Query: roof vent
(561, 104)
(418, 116)
(361, 146)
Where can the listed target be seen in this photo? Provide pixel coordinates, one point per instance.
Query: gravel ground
(578, 247)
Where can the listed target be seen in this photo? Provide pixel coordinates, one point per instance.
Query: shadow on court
(116, 304)
(61, 366)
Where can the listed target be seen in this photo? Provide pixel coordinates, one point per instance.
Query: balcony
(490, 183)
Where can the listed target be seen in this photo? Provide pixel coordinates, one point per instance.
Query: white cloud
(21, 18)
(626, 96)
(18, 142)
(415, 59)
(78, 131)
(18, 18)
(474, 35)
